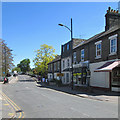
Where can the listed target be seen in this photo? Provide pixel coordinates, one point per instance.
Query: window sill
(98, 57)
(112, 54)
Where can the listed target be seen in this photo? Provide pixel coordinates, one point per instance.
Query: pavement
(95, 94)
(6, 109)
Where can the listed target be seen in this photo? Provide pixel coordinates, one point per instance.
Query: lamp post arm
(67, 28)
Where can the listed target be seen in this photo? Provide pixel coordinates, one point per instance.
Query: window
(67, 77)
(63, 48)
(68, 63)
(58, 65)
(51, 68)
(68, 46)
(98, 49)
(48, 67)
(74, 57)
(113, 44)
(82, 55)
(54, 66)
(63, 64)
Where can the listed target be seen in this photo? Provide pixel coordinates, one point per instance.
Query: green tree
(6, 58)
(24, 65)
(44, 55)
(16, 69)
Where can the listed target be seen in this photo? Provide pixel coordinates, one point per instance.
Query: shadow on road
(90, 91)
(26, 80)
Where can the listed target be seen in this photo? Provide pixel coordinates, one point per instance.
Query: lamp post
(71, 45)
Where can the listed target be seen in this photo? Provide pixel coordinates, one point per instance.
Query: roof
(58, 57)
(77, 41)
(99, 35)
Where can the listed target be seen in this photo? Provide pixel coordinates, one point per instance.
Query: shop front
(113, 67)
(81, 75)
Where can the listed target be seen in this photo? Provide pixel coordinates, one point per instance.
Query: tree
(44, 55)
(6, 58)
(16, 69)
(24, 65)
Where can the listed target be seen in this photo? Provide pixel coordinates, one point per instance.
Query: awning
(108, 66)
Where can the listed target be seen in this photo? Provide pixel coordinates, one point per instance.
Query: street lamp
(72, 46)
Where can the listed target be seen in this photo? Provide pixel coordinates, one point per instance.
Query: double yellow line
(21, 114)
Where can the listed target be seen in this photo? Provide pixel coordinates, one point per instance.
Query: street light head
(60, 24)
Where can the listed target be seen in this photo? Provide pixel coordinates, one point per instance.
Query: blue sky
(27, 25)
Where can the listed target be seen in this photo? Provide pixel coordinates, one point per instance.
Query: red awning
(108, 67)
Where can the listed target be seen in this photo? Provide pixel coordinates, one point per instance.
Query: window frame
(82, 54)
(74, 57)
(98, 43)
(68, 46)
(113, 37)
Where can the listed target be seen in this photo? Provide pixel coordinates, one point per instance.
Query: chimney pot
(117, 11)
(109, 8)
(112, 10)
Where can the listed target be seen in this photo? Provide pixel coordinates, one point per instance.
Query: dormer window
(68, 46)
(63, 48)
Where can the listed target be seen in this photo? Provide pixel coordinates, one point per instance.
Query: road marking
(21, 114)
(6, 104)
(10, 114)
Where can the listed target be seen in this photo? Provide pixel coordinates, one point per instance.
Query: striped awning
(108, 66)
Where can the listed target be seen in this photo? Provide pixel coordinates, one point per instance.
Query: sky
(27, 25)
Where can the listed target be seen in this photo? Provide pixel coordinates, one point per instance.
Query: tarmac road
(41, 102)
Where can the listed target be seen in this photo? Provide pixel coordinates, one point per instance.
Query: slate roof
(58, 57)
(99, 35)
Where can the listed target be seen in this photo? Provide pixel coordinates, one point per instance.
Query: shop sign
(77, 74)
(60, 74)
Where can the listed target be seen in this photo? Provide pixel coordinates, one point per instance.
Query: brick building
(96, 61)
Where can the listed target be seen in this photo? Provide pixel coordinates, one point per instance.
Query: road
(41, 102)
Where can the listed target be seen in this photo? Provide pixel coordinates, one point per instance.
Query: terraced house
(96, 61)
(54, 68)
(66, 60)
(100, 55)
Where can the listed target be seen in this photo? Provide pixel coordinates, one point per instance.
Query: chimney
(112, 18)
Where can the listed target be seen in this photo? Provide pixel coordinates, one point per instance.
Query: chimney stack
(112, 18)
